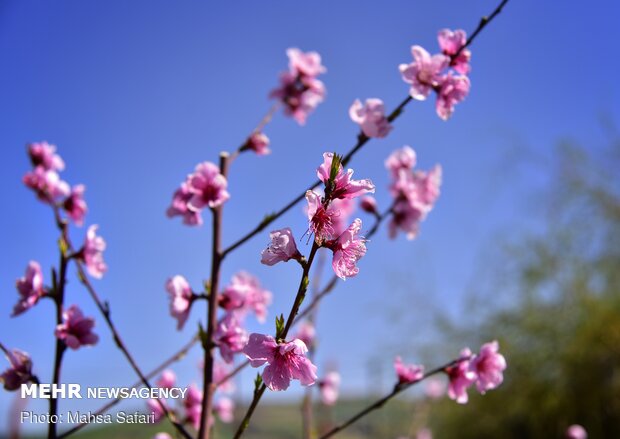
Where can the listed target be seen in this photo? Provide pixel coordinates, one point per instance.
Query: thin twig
(59, 300)
(104, 308)
(398, 388)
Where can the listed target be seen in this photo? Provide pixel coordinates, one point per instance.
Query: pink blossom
(229, 336)
(424, 72)
(450, 43)
(576, 431)
(282, 247)
(75, 205)
(46, 183)
(415, 192)
(180, 206)
(369, 204)
(167, 379)
(286, 361)
(452, 90)
(403, 158)
(305, 64)
(343, 185)
(348, 249)
(424, 433)
(300, 91)
(435, 388)
(244, 294)
(155, 408)
(208, 187)
(43, 154)
(488, 366)
(181, 298)
(193, 405)
(259, 143)
(162, 436)
(408, 373)
(19, 372)
(221, 372)
(306, 332)
(92, 253)
(299, 94)
(370, 117)
(224, 407)
(322, 220)
(75, 329)
(330, 387)
(30, 288)
(461, 378)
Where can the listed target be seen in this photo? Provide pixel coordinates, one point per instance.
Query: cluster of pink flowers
(286, 361)
(245, 294)
(484, 369)
(76, 330)
(444, 73)
(205, 187)
(45, 181)
(192, 403)
(415, 192)
(19, 372)
(370, 117)
(300, 91)
(328, 215)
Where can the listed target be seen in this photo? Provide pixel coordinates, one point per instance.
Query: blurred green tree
(559, 320)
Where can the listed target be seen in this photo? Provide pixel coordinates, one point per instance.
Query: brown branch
(398, 388)
(208, 386)
(59, 300)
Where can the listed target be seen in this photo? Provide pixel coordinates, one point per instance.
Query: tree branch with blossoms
(485, 370)
(208, 345)
(450, 91)
(73, 330)
(414, 193)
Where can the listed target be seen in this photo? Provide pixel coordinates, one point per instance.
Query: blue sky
(136, 93)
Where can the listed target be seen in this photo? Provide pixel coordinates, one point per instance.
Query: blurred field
(282, 422)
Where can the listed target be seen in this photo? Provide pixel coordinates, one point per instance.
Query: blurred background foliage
(555, 309)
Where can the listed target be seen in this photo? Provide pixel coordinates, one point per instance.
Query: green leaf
(279, 326)
(258, 382)
(336, 162)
